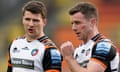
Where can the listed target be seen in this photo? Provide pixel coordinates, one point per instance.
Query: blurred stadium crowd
(58, 26)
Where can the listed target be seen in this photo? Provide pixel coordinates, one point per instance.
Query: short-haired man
(34, 52)
(97, 53)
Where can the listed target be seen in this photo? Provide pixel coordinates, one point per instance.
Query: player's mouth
(30, 30)
(78, 34)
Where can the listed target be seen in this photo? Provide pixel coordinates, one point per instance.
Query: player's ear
(93, 21)
(45, 21)
(22, 19)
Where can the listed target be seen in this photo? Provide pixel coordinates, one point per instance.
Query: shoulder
(17, 40)
(48, 43)
(105, 49)
(104, 45)
(20, 37)
(50, 47)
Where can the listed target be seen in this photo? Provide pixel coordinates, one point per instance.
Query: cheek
(86, 29)
(38, 27)
(83, 27)
(24, 23)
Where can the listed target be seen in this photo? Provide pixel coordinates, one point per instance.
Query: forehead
(77, 15)
(30, 14)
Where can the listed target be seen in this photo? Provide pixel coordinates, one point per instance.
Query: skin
(84, 29)
(33, 25)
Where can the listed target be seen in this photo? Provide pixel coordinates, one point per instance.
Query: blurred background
(58, 27)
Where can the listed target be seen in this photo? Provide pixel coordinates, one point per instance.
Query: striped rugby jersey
(39, 55)
(98, 48)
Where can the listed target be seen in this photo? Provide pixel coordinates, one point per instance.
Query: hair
(35, 7)
(86, 8)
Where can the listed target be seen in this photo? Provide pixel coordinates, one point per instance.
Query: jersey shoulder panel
(17, 39)
(104, 50)
(20, 37)
(52, 59)
(48, 43)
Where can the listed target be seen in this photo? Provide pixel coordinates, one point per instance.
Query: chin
(31, 35)
(79, 38)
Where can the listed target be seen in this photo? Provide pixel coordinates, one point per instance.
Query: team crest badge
(34, 52)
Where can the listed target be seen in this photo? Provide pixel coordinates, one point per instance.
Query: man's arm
(52, 59)
(9, 69)
(67, 51)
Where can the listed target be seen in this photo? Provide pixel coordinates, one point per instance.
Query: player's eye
(77, 22)
(36, 20)
(28, 19)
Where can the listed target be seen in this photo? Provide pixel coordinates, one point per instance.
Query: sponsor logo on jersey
(23, 63)
(84, 63)
(55, 56)
(34, 52)
(15, 50)
(103, 49)
(87, 52)
(76, 56)
(25, 48)
(83, 51)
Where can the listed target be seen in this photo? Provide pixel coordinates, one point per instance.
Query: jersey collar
(96, 37)
(42, 38)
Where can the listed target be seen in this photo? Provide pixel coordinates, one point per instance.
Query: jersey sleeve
(9, 69)
(52, 59)
(103, 52)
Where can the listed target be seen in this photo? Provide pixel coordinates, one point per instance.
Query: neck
(31, 38)
(91, 35)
